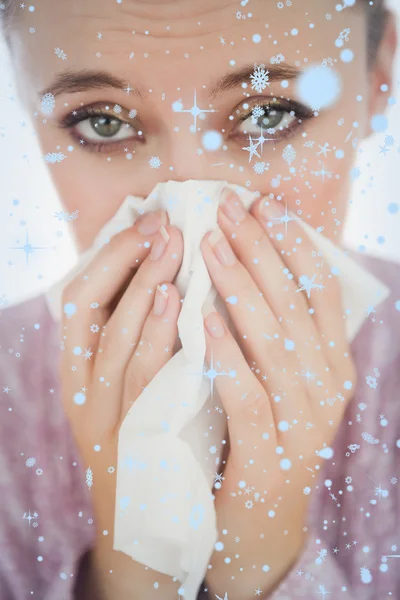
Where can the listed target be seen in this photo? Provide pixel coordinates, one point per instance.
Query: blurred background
(36, 247)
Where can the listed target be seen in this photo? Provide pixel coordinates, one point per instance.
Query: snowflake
(260, 167)
(328, 16)
(340, 122)
(89, 477)
(322, 554)
(369, 438)
(327, 62)
(389, 140)
(30, 462)
(258, 112)
(60, 53)
(248, 504)
(94, 328)
(309, 144)
(289, 154)
(238, 14)
(259, 78)
(280, 5)
(132, 113)
(365, 575)
(276, 182)
(344, 34)
(155, 162)
(348, 479)
(111, 469)
(48, 103)
(306, 491)
(277, 59)
(394, 480)
(54, 157)
(39, 472)
(288, 2)
(371, 381)
(61, 215)
(87, 354)
(353, 447)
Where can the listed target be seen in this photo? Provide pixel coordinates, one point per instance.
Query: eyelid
(97, 108)
(280, 104)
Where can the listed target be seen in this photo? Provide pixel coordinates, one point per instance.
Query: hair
(376, 21)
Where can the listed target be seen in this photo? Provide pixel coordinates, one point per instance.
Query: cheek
(317, 191)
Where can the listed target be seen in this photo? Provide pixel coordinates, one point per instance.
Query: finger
(88, 299)
(308, 266)
(155, 347)
(255, 251)
(314, 278)
(261, 336)
(86, 305)
(267, 268)
(124, 328)
(251, 423)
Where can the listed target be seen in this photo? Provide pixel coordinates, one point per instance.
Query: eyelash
(300, 112)
(85, 113)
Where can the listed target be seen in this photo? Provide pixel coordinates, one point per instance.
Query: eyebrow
(236, 78)
(69, 82)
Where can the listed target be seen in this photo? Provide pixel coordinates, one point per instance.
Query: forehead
(185, 44)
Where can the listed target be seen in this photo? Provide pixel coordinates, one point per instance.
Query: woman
(106, 83)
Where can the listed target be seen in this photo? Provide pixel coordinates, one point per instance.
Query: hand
(293, 375)
(114, 344)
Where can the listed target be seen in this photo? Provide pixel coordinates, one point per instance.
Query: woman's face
(168, 57)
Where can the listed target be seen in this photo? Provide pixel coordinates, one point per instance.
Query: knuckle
(254, 404)
(72, 292)
(137, 376)
(172, 291)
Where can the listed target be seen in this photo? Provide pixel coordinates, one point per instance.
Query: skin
(96, 184)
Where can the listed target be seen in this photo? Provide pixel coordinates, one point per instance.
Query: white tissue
(167, 452)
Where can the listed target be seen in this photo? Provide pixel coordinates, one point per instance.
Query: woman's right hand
(116, 339)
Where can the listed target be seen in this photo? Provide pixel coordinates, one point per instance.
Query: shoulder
(28, 344)
(42, 478)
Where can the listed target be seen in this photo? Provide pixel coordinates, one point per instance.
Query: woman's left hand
(284, 390)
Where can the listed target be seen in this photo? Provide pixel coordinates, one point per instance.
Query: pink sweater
(46, 526)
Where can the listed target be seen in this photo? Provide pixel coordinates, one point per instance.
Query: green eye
(105, 126)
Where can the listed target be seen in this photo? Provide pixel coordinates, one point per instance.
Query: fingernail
(160, 301)
(221, 248)
(152, 222)
(214, 325)
(159, 244)
(268, 210)
(232, 206)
